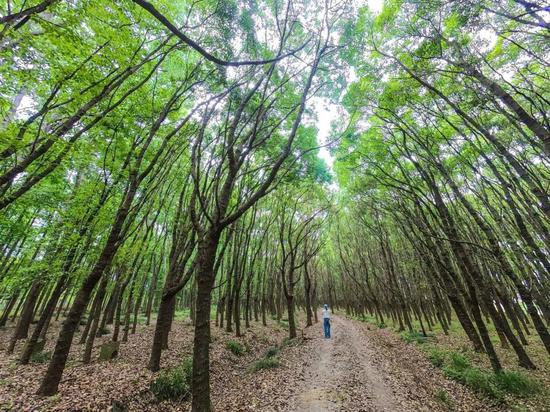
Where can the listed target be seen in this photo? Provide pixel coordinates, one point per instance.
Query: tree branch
(166, 23)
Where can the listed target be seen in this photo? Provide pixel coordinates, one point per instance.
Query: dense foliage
(156, 156)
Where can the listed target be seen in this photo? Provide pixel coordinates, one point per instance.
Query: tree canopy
(160, 155)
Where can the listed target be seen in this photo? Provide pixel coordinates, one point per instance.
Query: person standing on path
(326, 320)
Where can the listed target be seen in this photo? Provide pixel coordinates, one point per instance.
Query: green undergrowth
(41, 357)
(182, 314)
(271, 352)
(518, 390)
(235, 347)
(265, 363)
(269, 360)
(443, 396)
(174, 383)
(415, 337)
(496, 386)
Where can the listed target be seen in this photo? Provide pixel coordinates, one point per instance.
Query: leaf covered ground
(361, 369)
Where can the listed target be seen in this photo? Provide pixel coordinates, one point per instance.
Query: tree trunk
(51, 379)
(161, 329)
(291, 317)
(200, 385)
(9, 306)
(43, 321)
(22, 328)
(95, 322)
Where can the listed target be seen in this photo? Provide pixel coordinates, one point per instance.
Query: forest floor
(362, 368)
(359, 369)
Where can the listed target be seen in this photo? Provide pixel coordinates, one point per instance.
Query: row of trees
(446, 170)
(161, 156)
(142, 146)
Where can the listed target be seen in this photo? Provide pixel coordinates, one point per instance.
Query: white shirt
(326, 313)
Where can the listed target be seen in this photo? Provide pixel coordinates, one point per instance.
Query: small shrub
(271, 352)
(265, 363)
(174, 383)
(437, 357)
(235, 347)
(455, 370)
(443, 396)
(382, 325)
(517, 383)
(453, 373)
(459, 361)
(41, 357)
(482, 382)
(414, 336)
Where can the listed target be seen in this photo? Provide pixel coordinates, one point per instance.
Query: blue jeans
(326, 324)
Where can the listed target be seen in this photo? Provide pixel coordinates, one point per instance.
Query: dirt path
(365, 369)
(342, 364)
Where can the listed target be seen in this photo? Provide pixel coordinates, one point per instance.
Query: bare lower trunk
(42, 322)
(291, 319)
(163, 320)
(95, 322)
(9, 306)
(22, 328)
(200, 386)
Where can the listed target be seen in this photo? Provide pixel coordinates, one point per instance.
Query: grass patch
(414, 336)
(269, 360)
(481, 382)
(517, 383)
(486, 383)
(265, 363)
(41, 357)
(459, 361)
(443, 396)
(235, 347)
(141, 319)
(271, 352)
(437, 356)
(174, 383)
(182, 314)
